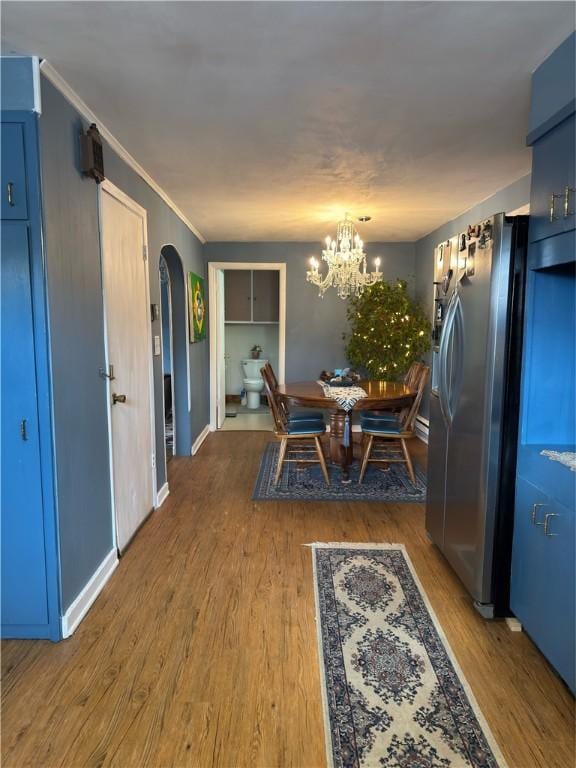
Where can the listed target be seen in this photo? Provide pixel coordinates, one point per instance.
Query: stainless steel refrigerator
(474, 405)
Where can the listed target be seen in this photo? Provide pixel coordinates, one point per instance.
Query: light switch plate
(157, 349)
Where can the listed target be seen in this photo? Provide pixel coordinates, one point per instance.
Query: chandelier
(346, 262)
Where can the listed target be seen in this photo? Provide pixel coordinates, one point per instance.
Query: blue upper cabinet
(552, 136)
(553, 196)
(14, 194)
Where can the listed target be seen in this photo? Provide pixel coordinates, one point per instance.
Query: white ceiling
(266, 121)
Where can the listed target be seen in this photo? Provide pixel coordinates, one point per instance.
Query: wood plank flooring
(201, 650)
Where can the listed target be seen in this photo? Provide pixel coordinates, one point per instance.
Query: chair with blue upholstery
(268, 374)
(300, 439)
(391, 432)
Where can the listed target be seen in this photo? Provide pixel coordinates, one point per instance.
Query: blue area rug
(393, 694)
(304, 482)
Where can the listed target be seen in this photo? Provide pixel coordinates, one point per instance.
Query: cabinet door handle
(10, 193)
(553, 198)
(534, 513)
(547, 517)
(567, 211)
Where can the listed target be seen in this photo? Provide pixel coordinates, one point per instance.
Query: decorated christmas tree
(388, 331)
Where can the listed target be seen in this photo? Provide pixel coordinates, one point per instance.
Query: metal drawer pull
(567, 211)
(553, 198)
(547, 517)
(533, 514)
(10, 193)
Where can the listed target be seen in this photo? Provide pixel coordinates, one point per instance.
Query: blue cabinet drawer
(542, 579)
(553, 159)
(14, 193)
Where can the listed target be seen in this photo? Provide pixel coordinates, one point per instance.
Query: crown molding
(70, 95)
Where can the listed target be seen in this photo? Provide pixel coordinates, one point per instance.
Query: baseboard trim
(83, 602)
(199, 440)
(162, 495)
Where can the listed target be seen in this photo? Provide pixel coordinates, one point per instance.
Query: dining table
(380, 396)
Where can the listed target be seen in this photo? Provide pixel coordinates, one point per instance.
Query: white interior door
(126, 301)
(221, 350)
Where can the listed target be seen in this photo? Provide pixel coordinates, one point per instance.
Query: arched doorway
(175, 364)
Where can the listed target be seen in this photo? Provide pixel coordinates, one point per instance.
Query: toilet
(253, 381)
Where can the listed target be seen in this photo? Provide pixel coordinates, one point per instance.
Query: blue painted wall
(18, 77)
(77, 336)
(314, 326)
(508, 199)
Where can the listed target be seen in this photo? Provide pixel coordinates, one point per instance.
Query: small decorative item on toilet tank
(256, 351)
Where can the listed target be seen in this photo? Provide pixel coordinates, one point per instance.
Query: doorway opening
(175, 353)
(167, 357)
(248, 328)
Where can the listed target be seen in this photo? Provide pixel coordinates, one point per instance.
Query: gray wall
(314, 326)
(508, 199)
(77, 339)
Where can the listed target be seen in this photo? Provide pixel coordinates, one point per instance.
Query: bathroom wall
(239, 341)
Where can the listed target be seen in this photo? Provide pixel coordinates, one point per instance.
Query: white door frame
(114, 191)
(213, 299)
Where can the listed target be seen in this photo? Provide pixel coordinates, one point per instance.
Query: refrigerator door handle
(457, 370)
(443, 359)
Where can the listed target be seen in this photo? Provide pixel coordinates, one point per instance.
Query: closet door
(238, 295)
(266, 287)
(23, 574)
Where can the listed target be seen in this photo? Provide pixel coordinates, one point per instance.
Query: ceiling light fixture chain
(346, 262)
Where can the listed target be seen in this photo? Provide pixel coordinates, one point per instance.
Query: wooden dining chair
(411, 381)
(411, 377)
(393, 433)
(267, 373)
(296, 437)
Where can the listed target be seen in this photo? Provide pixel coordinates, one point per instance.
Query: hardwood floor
(201, 650)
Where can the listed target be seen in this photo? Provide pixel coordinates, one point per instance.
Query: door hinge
(153, 461)
(145, 252)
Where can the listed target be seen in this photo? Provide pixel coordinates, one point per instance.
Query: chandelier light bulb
(327, 241)
(377, 262)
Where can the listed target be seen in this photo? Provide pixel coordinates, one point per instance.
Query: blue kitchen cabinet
(543, 576)
(14, 192)
(29, 561)
(553, 198)
(542, 584)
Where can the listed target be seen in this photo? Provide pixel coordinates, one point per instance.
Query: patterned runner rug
(304, 482)
(393, 694)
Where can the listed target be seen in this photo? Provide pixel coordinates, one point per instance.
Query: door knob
(118, 398)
